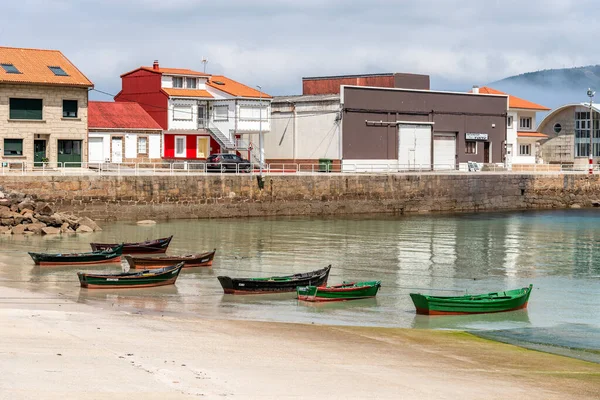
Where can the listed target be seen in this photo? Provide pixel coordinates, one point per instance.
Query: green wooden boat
(345, 291)
(472, 304)
(141, 279)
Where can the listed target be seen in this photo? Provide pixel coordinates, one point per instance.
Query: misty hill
(553, 87)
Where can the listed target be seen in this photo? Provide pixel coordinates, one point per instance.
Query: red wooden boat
(156, 246)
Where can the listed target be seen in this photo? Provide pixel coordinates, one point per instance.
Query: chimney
(155, 65)
(475, 89)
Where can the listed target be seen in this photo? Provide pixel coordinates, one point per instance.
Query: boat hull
(475, 304)
(345, 292)
(158, 246)
(142, 279)
(90, 258)
(197, 260)
(286, 284)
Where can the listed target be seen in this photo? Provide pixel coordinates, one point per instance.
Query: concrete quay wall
(112, 198)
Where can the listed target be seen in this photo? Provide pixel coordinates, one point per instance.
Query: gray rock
(575, 206)
(2, 195)
(58, 219)
(26, 204)
(84, 229)
(26, 211)
(4, 229)
(50, 230)
(5, 202)
(6, 221)
(36, 228)
(88, 222)
(45, 210)
(19, 229)
(595, 203)
(146, 222)
(69, 230)
(26, 233)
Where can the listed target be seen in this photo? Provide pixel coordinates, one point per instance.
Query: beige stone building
(43, 109)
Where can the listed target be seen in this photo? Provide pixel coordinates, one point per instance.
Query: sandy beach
(60, 349)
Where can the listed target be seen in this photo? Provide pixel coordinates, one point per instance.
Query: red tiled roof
(234, 88)
(119, 115)
(33, 64)
(531, 134)
(187, 92)
(514, 101)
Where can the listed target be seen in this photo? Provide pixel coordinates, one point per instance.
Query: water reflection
(504, 320)
(436, 254)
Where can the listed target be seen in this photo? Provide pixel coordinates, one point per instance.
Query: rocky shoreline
(22, 214)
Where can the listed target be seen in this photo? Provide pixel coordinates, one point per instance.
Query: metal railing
(252, 168)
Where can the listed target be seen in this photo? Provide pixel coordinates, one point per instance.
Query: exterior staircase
(224, 141)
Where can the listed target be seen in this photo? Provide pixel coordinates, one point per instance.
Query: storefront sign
(476, 136)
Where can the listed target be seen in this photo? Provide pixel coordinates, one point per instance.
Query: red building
(331, 84)
(201, 114)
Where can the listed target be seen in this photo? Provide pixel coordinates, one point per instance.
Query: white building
(122, 133)
(522, 138)
(304, 129)
(201, 114)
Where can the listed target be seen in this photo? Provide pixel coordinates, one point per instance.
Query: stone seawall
(215, 196)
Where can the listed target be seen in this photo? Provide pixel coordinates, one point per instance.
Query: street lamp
(591, 94)
(260, 134)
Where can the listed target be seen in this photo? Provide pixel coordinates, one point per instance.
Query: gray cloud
(275, 43)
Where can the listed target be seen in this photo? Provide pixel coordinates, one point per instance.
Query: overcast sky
(275, 43)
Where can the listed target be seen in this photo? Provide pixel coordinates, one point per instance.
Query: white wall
(105, 143)
(130, 150)
(311, 132)
(166, 81)
(181, 124)
(246, 125)
(224, 126)
(130, 143)
(154, 141)
(519, 159)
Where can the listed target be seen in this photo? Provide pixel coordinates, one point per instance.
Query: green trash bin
(325, 164)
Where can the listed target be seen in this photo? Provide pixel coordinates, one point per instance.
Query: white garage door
(96, 149)
(444, 151)
(414, 147)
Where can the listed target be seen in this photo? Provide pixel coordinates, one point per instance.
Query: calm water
(556, 251)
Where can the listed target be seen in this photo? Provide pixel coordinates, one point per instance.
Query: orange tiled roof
(531, 134)
(187, 92)
(234, 88)
(514, 101)
(33, 67)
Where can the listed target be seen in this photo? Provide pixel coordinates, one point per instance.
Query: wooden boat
(112, 255)
(345, 291)
(141, 279)
(192, 260)
(274, 284)
(147, 247)
(472, 304)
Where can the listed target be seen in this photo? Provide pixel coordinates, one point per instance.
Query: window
(582, 134)
(471, 147)
(58, 71)
(220, 113)
(177, 82)
(557, 128)
(525, 150)
(191, 83)
(182, 113)
(253, 113)
(142, 145)
(10, 69)
(509, 122)
(25, 109)
(525, 123)
(69, 108)
(13, 147)
(179, 146)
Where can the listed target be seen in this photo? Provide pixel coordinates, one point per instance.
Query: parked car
(224, 162)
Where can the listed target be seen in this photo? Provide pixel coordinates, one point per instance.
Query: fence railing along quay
(200, 168)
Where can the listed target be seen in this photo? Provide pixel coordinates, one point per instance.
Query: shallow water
(437, 254)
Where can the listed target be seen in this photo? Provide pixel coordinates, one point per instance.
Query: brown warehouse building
(421, 129)
(382, 122)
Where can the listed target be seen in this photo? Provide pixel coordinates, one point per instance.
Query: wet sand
(66, 350)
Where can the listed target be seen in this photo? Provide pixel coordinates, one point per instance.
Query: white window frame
(183, 112)
(180, 154)
(527, 147)
(471, 141)
(254, 112)
(221, 117)
(143, 139)
(188, 83)
(525, 122)
(509, 121)
(178, 82)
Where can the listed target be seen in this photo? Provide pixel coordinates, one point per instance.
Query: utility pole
(261, 148)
